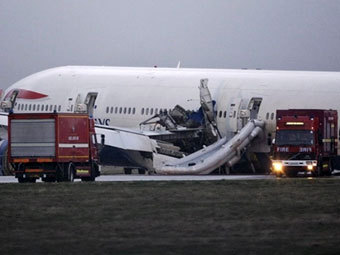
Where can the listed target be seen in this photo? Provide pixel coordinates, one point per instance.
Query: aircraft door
(254, 107)
(86, 106)
(240, 111)
(232, 116)
(9, 105)
(90, 102)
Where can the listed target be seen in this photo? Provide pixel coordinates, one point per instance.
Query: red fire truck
(52, 146)
(305, 141)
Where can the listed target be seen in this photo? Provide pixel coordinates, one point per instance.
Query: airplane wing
(126, 139)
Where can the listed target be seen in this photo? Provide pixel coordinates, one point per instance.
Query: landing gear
(26, 180)
(141, 171)
(22, 180)
(127, 170)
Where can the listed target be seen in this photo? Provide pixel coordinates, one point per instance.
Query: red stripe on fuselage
(26, 94)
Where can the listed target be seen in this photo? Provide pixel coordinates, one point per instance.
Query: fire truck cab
(305, 141)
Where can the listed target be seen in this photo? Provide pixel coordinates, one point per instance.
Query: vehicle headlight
(277, 166)
(310, 167)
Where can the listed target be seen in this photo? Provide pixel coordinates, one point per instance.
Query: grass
(282, 216)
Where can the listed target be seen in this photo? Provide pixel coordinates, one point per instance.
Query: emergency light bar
(295, 123)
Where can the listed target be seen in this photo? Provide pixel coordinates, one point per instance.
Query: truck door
(329, 131)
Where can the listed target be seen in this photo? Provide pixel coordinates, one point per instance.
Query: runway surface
(137, 178)
(133, 178)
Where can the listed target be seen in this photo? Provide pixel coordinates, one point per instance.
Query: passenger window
(111, 110)
(120, 110)
(142, 111)
(18, 106)
(133, 110)
(267, 116)
(38, 107)
(107, 109)
(225, 114)
(51, 107)
(160, 111)
(272, 116)
(220, 114)
(34, 107)
(151, 111)
(29, 107)
(116, 109)
(156, 111)
(147, 111)
(124, 110)
(42, 107)
(25, 107)
(59, 108)
(129, 112)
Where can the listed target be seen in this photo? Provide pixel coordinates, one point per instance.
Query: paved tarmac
(134, 178)
(137, 178)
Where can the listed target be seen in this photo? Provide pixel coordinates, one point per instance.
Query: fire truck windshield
(294, 137)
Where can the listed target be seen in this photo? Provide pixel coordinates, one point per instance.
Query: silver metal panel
(33, 138)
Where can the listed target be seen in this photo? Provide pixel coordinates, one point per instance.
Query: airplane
(133, 105)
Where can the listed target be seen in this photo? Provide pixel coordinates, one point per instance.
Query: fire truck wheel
(49, 179)
(315, 173)
(70, 173)
(88, 179)
(278, 175)
(328, 171)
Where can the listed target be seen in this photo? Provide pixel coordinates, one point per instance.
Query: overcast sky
(267, 34)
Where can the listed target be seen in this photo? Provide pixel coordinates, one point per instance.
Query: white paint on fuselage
(163, 88)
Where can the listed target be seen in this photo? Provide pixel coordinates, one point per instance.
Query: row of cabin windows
(222, 113)
(121, 110)
(153, 111)
(130, 110)
(271, 116)
(38, 107)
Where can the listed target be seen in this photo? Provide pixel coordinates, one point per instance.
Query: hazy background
(267, 34)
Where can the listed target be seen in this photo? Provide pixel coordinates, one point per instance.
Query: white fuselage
(128, 96)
